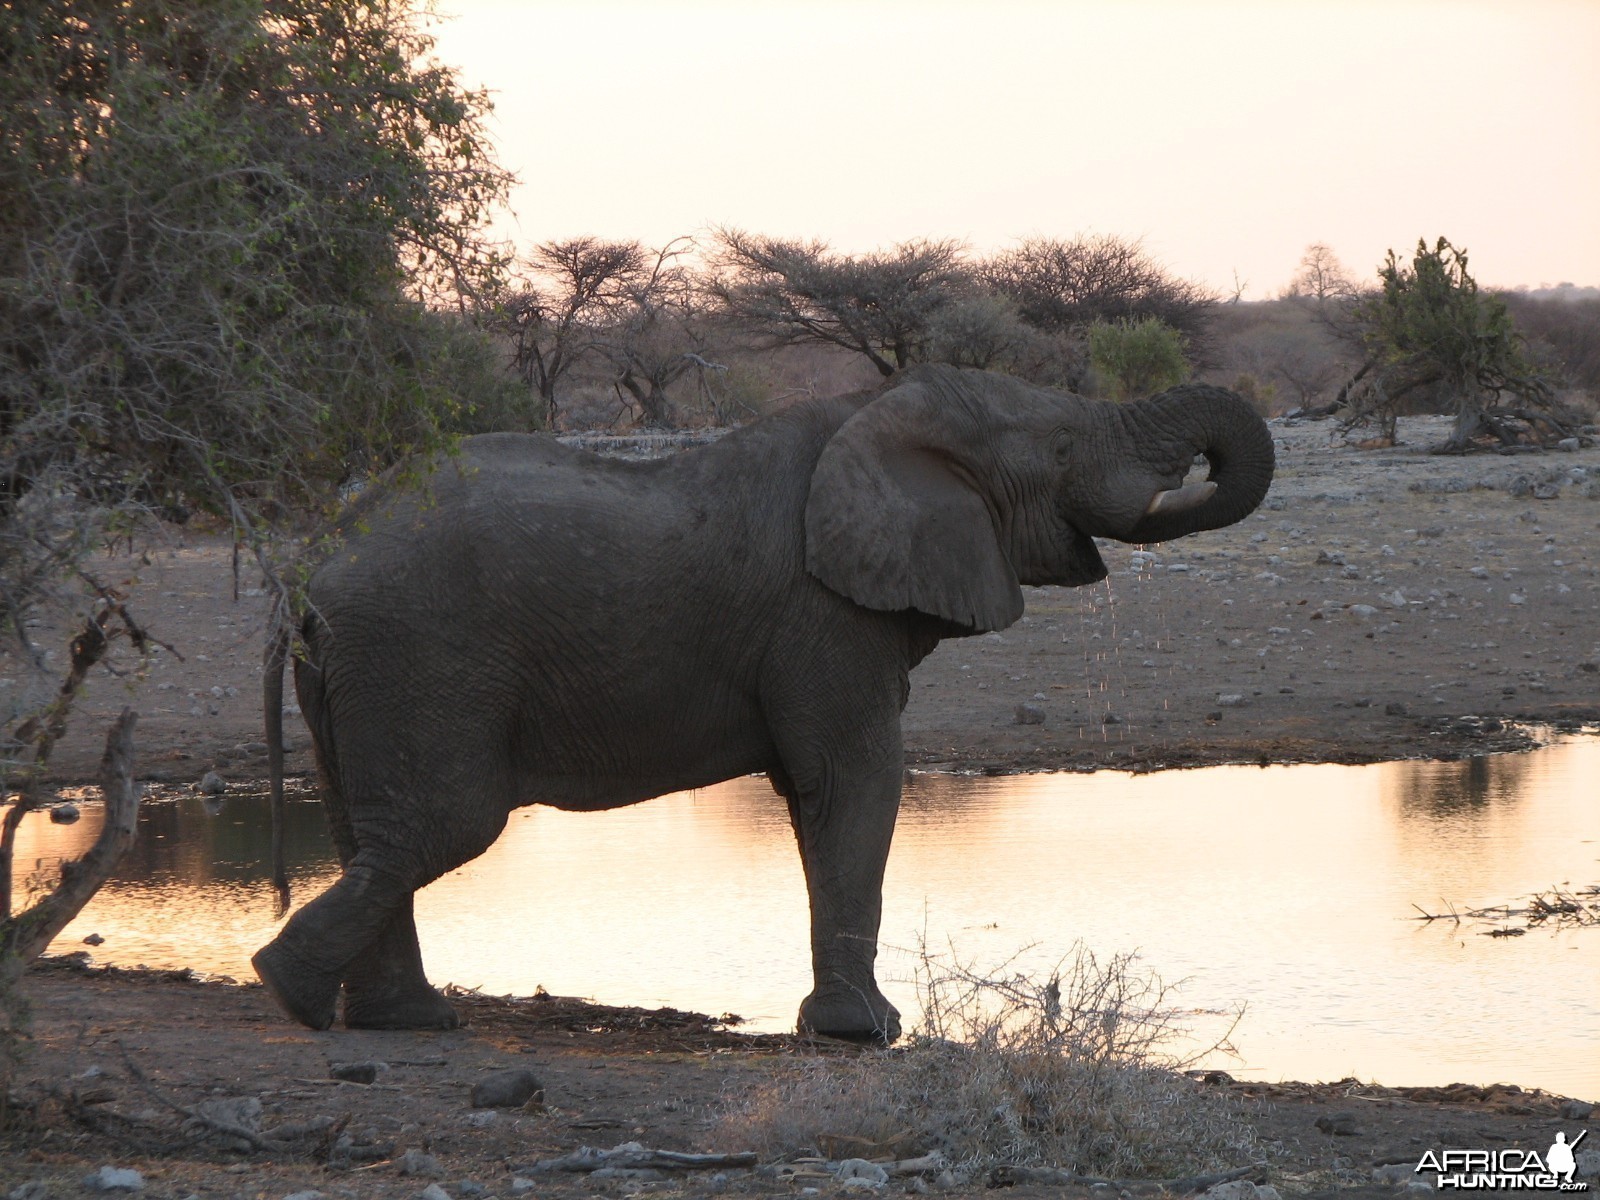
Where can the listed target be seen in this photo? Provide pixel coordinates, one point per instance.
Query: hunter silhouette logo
(1490, 1169)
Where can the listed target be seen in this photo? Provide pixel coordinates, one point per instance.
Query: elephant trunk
(1236, 442)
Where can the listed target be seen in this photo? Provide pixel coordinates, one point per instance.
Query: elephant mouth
(1081, 563)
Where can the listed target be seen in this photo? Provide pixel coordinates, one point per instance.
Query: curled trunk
(1236, 442)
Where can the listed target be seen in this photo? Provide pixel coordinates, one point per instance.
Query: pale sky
(1228, 136)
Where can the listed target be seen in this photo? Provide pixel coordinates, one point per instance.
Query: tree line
(1049, 310)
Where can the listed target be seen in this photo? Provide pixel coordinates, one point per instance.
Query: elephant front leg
(844, 822)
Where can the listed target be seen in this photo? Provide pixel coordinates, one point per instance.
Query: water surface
(1285, 889)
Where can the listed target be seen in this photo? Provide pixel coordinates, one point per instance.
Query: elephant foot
(308, 995)
(856, 1016)
(416, 1008)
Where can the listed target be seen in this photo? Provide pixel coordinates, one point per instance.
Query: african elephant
(538, 625)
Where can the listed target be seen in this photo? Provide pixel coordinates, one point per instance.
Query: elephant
(535, 624)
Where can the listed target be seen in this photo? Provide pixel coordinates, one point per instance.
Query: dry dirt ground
(119, 1057)
(1383, 604)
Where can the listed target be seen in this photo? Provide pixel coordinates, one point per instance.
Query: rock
(945, 1180)
(1395, 709)
(419, 1163)
(470, 1187)
(433, 1192)
(1265, 1191)
(506, 1089)
(1231, 700)
(1362, 612)
(114, 1179)
(1339, 1125)
(359, 1072)
(480, 1120)
(308, 1195)
(1392, 1172)
(1546, 491)
(1418, 1185)
(94, 939)
(1233, 1189)
(63, 814)
(1029, 714)
(1577, 1110)
(243, 1112)
(1110, 718)
(859, 1168)
(521, 1185)
(1588, 1163)
(211, 784)
(1569, 445)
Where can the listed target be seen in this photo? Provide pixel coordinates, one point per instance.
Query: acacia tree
(881, 305)
(570, 290)
(658, 333)
(237, 244)
(1429, 324)
(1066, 286)
(1321, 277)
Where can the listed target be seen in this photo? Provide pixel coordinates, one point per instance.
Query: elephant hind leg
(386, 986)
(304, 965)
(361, 934)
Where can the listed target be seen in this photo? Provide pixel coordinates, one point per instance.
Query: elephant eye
(1061, 446)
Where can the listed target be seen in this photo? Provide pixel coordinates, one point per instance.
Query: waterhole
(1289, 891)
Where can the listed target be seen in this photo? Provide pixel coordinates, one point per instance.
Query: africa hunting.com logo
(1490, 1169)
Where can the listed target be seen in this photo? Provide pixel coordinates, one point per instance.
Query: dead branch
(28, 934)
(632, 1156)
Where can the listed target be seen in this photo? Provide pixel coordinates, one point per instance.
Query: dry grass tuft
(1074, 1072)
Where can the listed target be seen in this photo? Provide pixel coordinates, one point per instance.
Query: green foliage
(1429, 323)
(224, 227)
(1431, 314)
(1138, 357)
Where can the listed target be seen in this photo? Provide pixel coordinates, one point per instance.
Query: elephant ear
(893, 521)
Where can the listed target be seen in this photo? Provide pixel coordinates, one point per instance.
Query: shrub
(1001, 1069)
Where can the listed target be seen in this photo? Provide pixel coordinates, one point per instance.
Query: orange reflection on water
(1287, 889)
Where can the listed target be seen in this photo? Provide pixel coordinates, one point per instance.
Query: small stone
(1231, 700)
(307, 1195)
(480, 1120)
(1393, 1172)
(361, 1072)
(1546, 491)
(506, 1089)
(470, 1187)
(520, 1185)
(1569, 445)
(114, 1179)
(1588, 1162)
(1395, 709)
(94, 939)
(1576, 1110)
(418, 1162)
(1265, 1191)
(859, 1168)
(1029, 714)
(1233, 1189)
(1110, 718)
(945, 1180)
(433, 1192)
(1418, 1185)
(211, 784)
(1362, 612)
(64, 814)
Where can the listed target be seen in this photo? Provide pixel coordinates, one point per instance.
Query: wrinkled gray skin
(542, 626)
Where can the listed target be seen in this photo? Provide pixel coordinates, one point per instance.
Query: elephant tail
(276, 658)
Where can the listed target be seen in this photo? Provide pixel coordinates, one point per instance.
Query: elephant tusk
(1190, 495)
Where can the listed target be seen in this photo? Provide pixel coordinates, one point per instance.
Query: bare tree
(656, 334)
(570, 289)
(881, 305)
(1321, 277)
